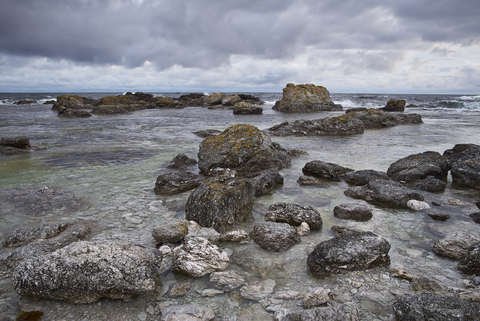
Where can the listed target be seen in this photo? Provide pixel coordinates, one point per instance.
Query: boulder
(431, 184)
(220, 202)
(273, 236)
(430, 307)
(15, 145)
(170, 231)
(384, 193)
(305, 98)
(394, 105)
(461, 153)
(417, 205)
(266, 181)
(243, 148)
(168, 102)
(325, 170)
(258, 290)
(470, 264)
(41, 241)
(375, 118)
(330, 126)
(336, 312)
(246, 108)
(64, 112)
(198, 257)
(455, 245)
(214, 99)
(182, 161)
(24, 102)
(465, 162)
(116, 109)
(439, 216)
(315, 297)
(353, 211)
(362, 177)
(419, 166)
(188, 312)
(173, 183)
(73, 102)
(251, 99)
(349, 251)
(294, 214)
(84, 272)
(226, 281)
(231, 100)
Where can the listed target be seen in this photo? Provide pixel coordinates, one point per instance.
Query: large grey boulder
(465, 161)
(375, 118)
(419, 166)
(294, 214)
(330, 126)
(170, 231)
(455, 245)
(349, 251)
(305, 98)
(430, 184)
(174, 183)
(273, 236)
(430, 307)
(243, 148)
(325, 170)
(470, 264)
(353, 211)
(362, 177)
(384, 193)
(84, 272)
(266, 181)
(198, 257)
(220, 202)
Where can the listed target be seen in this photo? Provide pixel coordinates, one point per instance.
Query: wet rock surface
(305, 98)
(337, 312)
(245, 108)
(15, 145)
(330, 126)
(170, 231)
(325, 170)
(349, 251)
(243, 148)
(427, 306)
(395, 105)
(353, 211)
(173, 183)
(375, 118)
(419, 166)
(84, 272)
(470, 264)
(362, 177)
(258, 290)
(182, 161)
(273, 236)
(431, 184)
(455, 245)
(384, 193)
(226, 281)
(266, 181)
(220, 202)
(465, 162)
(294, 214)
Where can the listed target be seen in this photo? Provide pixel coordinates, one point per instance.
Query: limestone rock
(375, 118)
(303, 229)
(84, 272)
(330, 126)
(431, 184)
(470, 264)
(294, 214)
(417, 205)
(198, 257)
(170, 231)
(243, 148)
(266, 181)
(245, 108)
(25, 235)
(226, 281)
(305, 98)
(455, 245)
(258, 290)
(353, 211)
(220, 202)
(315, 297)
(394, 105)
(325, 170)
(384, 193)
(273, 236)
(419, 166)
(234, 236)
(174, 183)
(349, 251)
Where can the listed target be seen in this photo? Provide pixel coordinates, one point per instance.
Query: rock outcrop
(375, 118)
(173, 183)
(419, 166)
(246, 108)
(465, 162)
(273, 236)
(325, 170)
(384, 193)
(84, 272)
(220, 202)
(294, 214)
(395, 105)
(305, 98)
(349, 251)
(330, 126)
(243, 148)
(15, 145)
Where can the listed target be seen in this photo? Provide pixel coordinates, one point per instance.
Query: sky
(348, 46)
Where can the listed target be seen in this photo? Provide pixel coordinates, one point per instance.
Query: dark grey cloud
(206, 33)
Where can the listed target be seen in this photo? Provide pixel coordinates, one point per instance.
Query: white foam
(469, 97)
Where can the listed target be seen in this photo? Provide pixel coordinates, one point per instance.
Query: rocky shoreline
(236, 166)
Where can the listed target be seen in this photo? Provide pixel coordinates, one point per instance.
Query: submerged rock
(375, 118)
(13, 146)
(395, 105)
(258, 290)
(188, 312)
(470, 264)
(336, 312)
(305, 98)
(243, 148)
(273, 236)
(226, 281)
(349, 251)
(419, 166)
(220, 202)
(325, 170)
(330, 126)
(84, 272)
(384, 193)
(170, 231)
(173, 183)
(294, 214)
(428, 306)
(198, 257)
(315, 297)
(25, 235)
(362, 177)
(455, 245)
(353, 211)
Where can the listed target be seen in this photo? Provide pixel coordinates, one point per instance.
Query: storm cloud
(295, 40)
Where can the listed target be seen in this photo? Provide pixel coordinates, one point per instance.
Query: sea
(110, 164)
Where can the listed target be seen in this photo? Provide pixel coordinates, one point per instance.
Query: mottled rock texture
(305, 98)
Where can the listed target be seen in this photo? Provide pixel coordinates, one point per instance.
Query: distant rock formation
(305, 98)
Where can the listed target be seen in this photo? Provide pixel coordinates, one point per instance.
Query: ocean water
(111, 164)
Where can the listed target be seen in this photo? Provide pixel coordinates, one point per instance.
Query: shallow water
(111, 163)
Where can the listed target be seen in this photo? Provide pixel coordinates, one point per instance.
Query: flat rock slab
(273, 236)
(84, 272)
